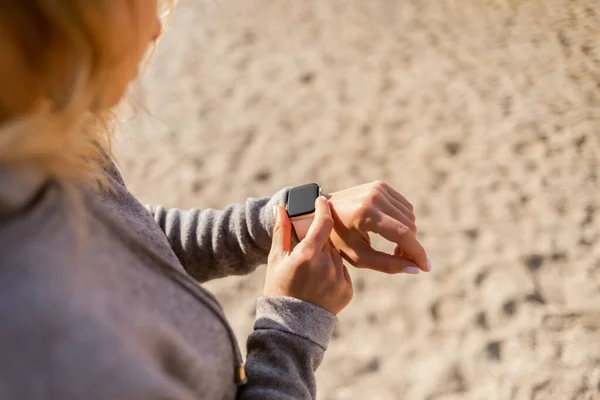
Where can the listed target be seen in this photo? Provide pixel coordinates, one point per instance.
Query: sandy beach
(484, 114)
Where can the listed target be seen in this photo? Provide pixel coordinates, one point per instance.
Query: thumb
(282, 232)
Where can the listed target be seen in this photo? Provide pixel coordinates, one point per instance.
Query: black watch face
(301, 200)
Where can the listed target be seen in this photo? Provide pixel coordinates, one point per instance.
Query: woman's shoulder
(40, 235)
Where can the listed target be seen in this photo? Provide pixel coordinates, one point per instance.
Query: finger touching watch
(300, 207)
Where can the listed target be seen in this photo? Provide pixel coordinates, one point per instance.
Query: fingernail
(428, 265)
(411, 270)
(325, 198)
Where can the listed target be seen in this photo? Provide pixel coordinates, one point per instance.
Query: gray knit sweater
(99, 299)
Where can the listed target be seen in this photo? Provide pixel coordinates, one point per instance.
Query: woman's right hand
(314, 270)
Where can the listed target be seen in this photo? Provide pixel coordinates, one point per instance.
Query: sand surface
(485, 114)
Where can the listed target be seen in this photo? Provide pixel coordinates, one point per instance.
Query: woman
(97, 299)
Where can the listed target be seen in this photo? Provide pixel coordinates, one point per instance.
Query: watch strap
(302, 225)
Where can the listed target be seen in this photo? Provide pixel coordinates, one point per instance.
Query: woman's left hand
(378, 208)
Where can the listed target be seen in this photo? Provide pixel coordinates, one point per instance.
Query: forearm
(287, 346)
(216, 243)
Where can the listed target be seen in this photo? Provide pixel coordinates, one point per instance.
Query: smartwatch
(301, 207)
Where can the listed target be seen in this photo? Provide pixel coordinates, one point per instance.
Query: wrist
(300, 205)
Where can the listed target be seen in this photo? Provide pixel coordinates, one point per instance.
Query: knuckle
(364, 214)
(307, 254)
(374, 194)
(380, 185)
(412, 227)
(386, 268)
(404, 230)
(391, 268)
(412, 217)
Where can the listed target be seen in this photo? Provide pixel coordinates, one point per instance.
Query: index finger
(396, 232)
(320, 229)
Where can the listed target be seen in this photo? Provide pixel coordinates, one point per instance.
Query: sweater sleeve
(212, 244)
(287, 346)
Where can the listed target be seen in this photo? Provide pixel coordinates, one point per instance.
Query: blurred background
(484, 113)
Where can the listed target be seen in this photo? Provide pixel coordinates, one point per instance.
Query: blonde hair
(56, 58)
